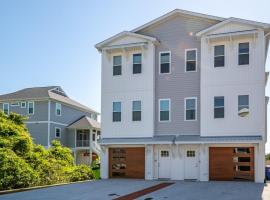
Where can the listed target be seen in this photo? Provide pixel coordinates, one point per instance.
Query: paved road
(181, 190)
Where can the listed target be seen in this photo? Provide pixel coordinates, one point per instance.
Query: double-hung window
(31, 108)
(219, 107)
(219, 57)
(165, 62)
(58, 109)
(57, 132)
(243, 105)
(137, 63)
(136, 111)
(191, 60)
(117, 65)
(6, 108)
(116, 111)
(243, 53)
(164, 110)
(190, 108)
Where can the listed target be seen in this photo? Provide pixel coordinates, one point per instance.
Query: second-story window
(243, 53)
(31, 108)
(58, 132)
(243, 105)
(219, 107)
(136, 110)
(165, 62)
(190, 108)
(137, 63)
(117, 65)
(191, 60)
(116, 111)
(23, 104)
(6, 108)
(164, 110)
(219, 57)
(58, 109)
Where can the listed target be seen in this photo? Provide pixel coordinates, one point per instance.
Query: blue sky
(51, 42)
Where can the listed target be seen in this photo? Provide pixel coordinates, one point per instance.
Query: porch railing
(82, 143)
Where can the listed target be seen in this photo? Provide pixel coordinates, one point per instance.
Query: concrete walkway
(110, 189)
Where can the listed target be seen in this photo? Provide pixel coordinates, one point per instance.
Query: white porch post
(75, 146)
(90, 145)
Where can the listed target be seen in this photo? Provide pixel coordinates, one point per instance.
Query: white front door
(164, 163)
(191, 163)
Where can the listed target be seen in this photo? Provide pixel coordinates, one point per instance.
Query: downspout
(49, 122)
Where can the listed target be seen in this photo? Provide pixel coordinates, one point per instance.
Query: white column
(203, 163)
(90, 145)
(259, 154)
(104, 162)
(149, 162)
(75, 146)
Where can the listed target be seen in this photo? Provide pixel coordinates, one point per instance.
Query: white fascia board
(178, 11)
(231, 19)
(221, 142)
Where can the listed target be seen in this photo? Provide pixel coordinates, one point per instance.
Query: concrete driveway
(181, 190)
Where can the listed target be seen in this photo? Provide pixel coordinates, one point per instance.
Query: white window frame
(117, 112)
(135, 111)
(59, 132)
(219, 107)
(29, 102)
(243, 105)
(117, 65)
(187, 98)
(4, 106)
(164, 121)
(222, 44)
(14, 104)
(23, 102)
(159, 60)
(137, 63)
(241, 42)
(57, 107)
(186, 50)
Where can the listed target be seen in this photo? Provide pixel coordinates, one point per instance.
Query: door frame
(165, 148)
(197, 156)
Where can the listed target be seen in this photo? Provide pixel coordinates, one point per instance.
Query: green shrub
(80, 173)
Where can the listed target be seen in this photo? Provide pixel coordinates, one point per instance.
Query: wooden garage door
(127, 162)
(231, 163)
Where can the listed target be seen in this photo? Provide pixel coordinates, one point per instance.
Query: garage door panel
(132, 159)
(231, 163)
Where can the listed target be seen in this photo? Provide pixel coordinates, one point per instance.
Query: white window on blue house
(57, 132)
(58, 109)
(6, 108)
(31, 108)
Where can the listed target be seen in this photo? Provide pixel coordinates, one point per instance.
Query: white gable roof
(102, 44)
(234, 20)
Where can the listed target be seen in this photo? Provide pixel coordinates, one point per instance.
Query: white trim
(57, 128)
(58, 106)
(136, 111)
(117, 112)
(29, 102)
(187, 98)
(49, 124)
(238, 53)
(159, 61)
(178, 11)
(232, 19)
(186, 50)
(7, 107)
(219, 107)
(121, 56)
(137, 63)
(23, 102)
(224, 54)
(14, 104)
(169, 110)
(42, 122)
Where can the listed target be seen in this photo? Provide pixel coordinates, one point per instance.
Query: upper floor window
(116, 111)
(136, 110)
(23, 104)
(191, 60)
(243, 105)
(243, 53)
(31, 107)
(117, 65)
(6, 108)
(57, 132)
(165, 62)
(190, 108)
(219, 57)
(137, 63)
(219, 107)
(164, 110)
(58, 109)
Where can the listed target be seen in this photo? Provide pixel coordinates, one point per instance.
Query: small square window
(23, 104)
(57, 132)
(190, 153)
(164, 153)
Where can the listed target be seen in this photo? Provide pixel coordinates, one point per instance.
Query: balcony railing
(82, 143)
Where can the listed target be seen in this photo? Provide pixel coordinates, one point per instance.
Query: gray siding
(63, 138)
(39, 132)
(174, 35)
(69, 114)
(70, 138)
